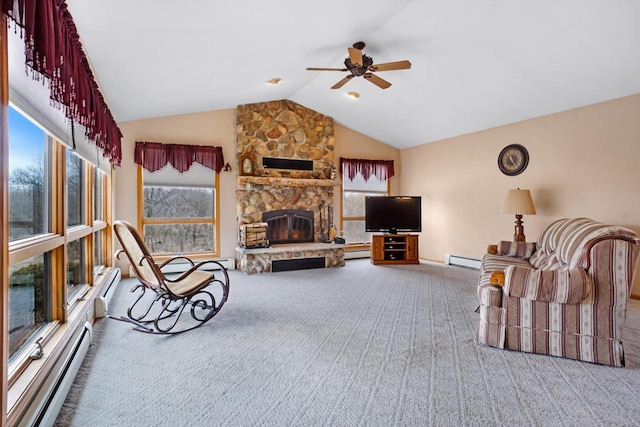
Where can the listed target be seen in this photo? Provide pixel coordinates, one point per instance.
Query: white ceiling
(477, 64)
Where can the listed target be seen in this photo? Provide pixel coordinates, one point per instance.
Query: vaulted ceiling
(476, 64)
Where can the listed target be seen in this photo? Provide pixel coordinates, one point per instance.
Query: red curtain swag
(382, 169)
(54, 52)
(154, 156)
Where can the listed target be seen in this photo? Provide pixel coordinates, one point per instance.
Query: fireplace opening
(289, 226)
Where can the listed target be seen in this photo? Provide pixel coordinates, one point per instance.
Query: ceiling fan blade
(342, 82)
(355, 55)
(325, 69)
(381, 83)
(388, 66)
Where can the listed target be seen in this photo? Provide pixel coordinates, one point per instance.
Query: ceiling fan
(360, 65)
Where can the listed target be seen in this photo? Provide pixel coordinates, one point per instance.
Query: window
(28, 300)
(75, 267)
(179, 210)
(29, 183)
(28, 178)
(98, 255)
(97, 195)
(75, 189)
(353, 197)
(50, 198)
(100, 181)
(48, 261)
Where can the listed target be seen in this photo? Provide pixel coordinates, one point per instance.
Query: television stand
(394, 249)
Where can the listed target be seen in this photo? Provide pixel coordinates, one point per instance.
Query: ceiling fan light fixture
(357, 64)
(354, 95)
(274, 81)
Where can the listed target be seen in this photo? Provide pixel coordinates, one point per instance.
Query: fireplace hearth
(289, 226)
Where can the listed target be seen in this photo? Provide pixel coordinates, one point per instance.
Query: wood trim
(78, 232)
(51, 242)
(4, 215)
(58, 273)
(99, 225)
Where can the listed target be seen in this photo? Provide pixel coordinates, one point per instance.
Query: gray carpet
(360, 345)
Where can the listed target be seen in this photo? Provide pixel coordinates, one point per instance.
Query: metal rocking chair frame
(171, 296)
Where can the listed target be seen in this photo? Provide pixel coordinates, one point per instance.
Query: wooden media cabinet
(394, 249)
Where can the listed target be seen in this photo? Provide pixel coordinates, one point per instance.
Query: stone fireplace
(285, 159)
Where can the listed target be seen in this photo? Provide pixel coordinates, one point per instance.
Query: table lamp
(518, 202)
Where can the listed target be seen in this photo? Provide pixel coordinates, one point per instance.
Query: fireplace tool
(328, 212)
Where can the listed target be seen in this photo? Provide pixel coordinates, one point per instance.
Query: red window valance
(53, 50)
(382, 169)
(154, 156)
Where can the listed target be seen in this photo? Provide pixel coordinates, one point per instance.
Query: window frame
(142, 221)
(343, 218)
(22, 373)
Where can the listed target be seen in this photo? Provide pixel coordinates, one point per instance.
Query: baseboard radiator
(101, 303)
(363, 253)
(53, 393)
(461, 261)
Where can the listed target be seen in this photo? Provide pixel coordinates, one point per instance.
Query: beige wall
(351, 144)
(583, 162)
(218, 128)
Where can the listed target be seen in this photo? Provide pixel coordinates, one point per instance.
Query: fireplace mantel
(288, 182)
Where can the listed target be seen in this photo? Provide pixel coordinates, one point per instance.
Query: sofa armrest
(560, 286)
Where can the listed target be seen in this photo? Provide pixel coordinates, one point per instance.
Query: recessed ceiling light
(274, 81)
(354, 95)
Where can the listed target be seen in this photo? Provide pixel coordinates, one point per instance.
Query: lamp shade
(518, 202)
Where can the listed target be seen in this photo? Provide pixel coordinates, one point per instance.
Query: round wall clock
(513, 159)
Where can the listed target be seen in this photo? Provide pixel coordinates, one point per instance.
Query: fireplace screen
(289, 226)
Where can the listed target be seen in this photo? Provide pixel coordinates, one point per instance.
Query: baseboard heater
(364, 253)
(101, 303)
(461, 261)
(53, 393)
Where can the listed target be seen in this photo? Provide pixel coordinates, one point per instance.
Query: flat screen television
(393, 214)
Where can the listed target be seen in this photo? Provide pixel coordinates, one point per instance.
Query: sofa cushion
(550, 240)
(522, 250)
(492, 262)
(560, 286)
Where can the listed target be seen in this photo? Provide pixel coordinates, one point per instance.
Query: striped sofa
(564, 295)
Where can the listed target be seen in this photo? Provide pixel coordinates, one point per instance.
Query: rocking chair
(173, 305)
